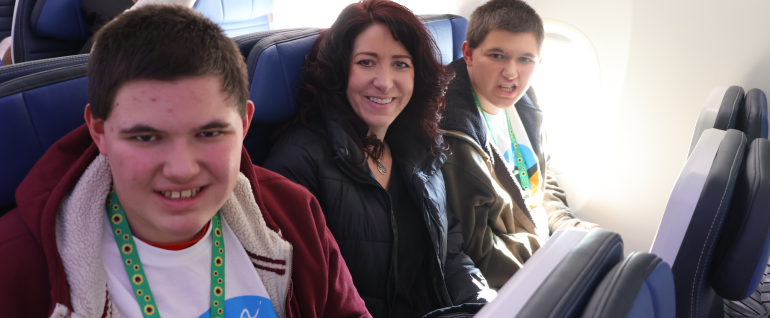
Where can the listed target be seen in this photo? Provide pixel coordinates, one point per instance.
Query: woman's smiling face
(381, 78)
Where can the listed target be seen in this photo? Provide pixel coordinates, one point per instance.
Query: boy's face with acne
(501, 67)
(174, 149)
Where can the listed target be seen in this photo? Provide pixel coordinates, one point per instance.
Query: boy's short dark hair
(166, 43)
(514, 16)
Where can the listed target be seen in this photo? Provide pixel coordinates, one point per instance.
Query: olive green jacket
(500, 231)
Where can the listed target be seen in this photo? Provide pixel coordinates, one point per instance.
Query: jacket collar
(462, 115)
(413, 157)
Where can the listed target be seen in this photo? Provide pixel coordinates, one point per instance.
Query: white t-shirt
(498, 123)
(181, 280)
(502, 138)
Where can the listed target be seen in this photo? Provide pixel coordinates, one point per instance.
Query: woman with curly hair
(365, 141)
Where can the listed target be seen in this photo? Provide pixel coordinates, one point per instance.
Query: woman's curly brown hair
(324, 80)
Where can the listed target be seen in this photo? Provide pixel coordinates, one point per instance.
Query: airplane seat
(448, 30)
(237, 17)
(743, 249)
(695, 214)
(721, 111)
(35, 111)
(558, 280)
(274, 67)
(6, 17)
(13, 71)
(47, 29)
(642, 286)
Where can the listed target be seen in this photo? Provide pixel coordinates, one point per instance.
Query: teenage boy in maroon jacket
(153, 208)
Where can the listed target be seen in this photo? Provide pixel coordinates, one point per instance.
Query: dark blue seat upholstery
(275, 66)
(6, 17)
(752, 117)
(560, 278)
(743, 248)
(53, 28)
(47, 28)
(724, 109)
(13, 71)
(642, 286)
(35, 111)
(695, 214)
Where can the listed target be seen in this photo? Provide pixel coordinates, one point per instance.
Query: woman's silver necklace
(381, 167)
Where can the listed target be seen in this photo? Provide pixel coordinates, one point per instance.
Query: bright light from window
(567, 87)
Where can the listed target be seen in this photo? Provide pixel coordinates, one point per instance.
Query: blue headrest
(237, 17)
(732, 104)
(642, 286)
(448, 31)
(58, 19)
(36, 111)
(275, 66)
(752, 117)
(743, 248)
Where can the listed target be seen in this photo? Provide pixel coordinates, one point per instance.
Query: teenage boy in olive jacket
(497, 178)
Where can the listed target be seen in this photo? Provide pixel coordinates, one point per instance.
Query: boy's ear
(249, 117)
(467, 53)
(96, 128)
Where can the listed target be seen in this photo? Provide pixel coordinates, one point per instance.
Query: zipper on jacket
(393, 250)
(290, 282)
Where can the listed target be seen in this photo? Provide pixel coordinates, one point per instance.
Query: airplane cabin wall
(659, 59)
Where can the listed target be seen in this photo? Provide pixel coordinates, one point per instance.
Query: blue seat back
(6, 17)
(560, 278)
(47, 28)
(35, 111)
(448, 31)
(743, 249)
(14, 71)
(694, 216)
(642, 286)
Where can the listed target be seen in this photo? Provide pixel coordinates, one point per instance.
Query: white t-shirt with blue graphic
(498, 123)
(181, 280)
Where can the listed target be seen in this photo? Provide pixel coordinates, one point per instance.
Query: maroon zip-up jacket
(32, 276)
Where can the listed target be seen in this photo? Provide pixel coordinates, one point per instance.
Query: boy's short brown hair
(166, 43)
(514, 16)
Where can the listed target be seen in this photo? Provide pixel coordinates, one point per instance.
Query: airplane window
(567, 88)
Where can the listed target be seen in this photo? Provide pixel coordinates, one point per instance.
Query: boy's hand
(587, 225)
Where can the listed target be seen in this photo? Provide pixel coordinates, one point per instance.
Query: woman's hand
(587, 225)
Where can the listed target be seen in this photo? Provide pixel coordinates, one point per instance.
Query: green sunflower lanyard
(523, 175)
(135, 271)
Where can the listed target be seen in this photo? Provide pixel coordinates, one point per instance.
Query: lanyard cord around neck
(520, 163)
(135, 270)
